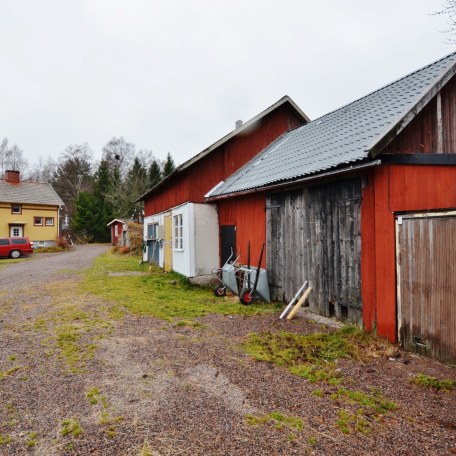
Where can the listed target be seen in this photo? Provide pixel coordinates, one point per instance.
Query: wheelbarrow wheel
(246, 296)
(220, 291)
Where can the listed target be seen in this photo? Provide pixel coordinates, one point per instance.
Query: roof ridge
(382, 88)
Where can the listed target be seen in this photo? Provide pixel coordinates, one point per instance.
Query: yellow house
(29, 209)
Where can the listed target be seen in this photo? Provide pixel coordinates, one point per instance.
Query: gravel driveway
(150, 387)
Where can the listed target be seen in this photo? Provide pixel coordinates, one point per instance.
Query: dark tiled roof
(29, 193)
(344, 136)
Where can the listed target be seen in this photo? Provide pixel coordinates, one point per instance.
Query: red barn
(181, 230)
(362, 203)
(118, 229)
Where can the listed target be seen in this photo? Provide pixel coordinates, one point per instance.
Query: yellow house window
(16, 209)
(49, 221)
(38, 221)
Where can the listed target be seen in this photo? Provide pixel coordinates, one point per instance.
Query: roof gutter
(303, 180)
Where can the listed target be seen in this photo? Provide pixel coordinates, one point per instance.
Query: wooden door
(426, 250)
(168, 243)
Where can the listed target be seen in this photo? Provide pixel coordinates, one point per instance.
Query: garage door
(426, 269)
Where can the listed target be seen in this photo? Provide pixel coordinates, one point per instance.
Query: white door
(16, 231)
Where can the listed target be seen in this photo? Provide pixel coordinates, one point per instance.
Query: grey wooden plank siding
(427, 286)
(314, 234)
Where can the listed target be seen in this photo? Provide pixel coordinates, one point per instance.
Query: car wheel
(15, 253)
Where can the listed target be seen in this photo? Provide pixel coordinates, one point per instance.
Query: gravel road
(43, 268)
(156, 388)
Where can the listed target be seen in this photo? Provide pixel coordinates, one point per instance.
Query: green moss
(428, 381)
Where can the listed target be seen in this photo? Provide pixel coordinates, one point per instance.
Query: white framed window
(38, 221)
(116, 230)
(49, 221)
(178, 232)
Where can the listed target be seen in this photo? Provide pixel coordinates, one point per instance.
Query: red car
(14, 247)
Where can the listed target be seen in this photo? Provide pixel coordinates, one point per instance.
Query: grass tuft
(428, 381)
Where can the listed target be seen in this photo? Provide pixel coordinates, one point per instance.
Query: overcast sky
(174, 76)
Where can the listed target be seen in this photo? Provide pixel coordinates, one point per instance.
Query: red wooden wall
(114, 238)
(194, 182)
(248, 213)
(420, 136)
(394, 188)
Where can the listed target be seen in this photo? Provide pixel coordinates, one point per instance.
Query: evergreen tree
(155, 175)
(169, 166)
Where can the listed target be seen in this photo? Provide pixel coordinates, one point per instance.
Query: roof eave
(299, 181)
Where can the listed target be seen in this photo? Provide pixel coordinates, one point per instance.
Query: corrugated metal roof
(29, 193)
(344, 136)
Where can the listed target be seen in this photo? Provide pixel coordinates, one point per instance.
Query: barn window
(178, 232)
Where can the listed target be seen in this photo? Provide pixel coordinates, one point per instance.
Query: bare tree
(119, 154)
(43, 170)
(4, 153)
(15, 159)
(449, 10)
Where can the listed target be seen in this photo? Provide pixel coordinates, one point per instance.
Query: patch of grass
(157, 293)
(368, 407)
(428, 381)
(313, 356)
(5, 439)
(374, 402)
(70, 426)
(106, 417)
(312, 440)
(31, 439)
(8, 372)
(145, 449)
(279, 420)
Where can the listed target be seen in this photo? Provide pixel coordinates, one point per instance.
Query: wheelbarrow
(255, 283)
(228, 277)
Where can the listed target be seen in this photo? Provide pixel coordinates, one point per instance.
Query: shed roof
(355, 132)
(286, 100)
(29, 193)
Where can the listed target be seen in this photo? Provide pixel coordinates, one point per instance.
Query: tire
(246, 296)
(220, 291)
(15, 254)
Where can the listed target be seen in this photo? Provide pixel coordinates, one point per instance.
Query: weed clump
(428, 381)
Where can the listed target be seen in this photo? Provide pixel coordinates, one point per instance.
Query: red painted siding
(193, 183)
(249, 215)
(420, 136)
(114, 238)
(391, 189)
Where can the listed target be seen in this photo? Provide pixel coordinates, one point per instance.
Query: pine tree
(154, 173)
(169, 166)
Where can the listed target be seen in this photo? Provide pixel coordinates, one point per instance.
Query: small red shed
(118, 228)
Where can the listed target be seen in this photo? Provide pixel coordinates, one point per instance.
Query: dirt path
(77, 379)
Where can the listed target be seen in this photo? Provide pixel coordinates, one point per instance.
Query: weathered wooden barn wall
(392, 190)
(194, 182)
(433, 130)
(427, 285)
(249, 215)
(314, 234)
